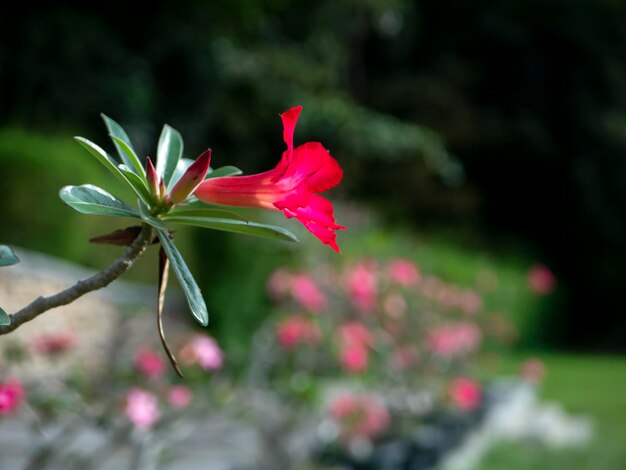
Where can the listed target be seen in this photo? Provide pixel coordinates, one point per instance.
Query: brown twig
(97, 281)
(164, 267)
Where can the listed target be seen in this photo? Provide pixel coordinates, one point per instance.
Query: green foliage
(90, 199)
(185, 279)
(169, 152)
(4, 318)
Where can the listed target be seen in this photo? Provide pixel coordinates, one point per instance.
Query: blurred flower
(142, 408)
(465, 393)
(454, 339)
(279, 283)
(150, 363)
(470, 302)
(534, 370)
(179, 396)
(355, 333)
(291, 187)
(403, 272)
(11, 395)
(203, 350)
(394, 305)
(354, 358)
(540, 279)
(362, 285)
(296, 330)
(306, 292)
(359, 415)
(54, 343)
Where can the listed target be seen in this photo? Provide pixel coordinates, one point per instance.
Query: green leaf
(90, 199)
(137, 184)
(148, 218)
(181, 168)
(228, 170)
(185, 279)
(115, 130)
(193, 211)
(130, 156)
(102, 157)
(5, 319)
(169, 152)
(7, 257)
(238, 226)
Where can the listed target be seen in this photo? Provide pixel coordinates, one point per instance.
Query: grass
(593, 386)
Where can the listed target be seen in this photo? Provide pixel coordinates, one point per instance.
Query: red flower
(291, 187)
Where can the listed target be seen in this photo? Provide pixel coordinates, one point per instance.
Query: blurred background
(486, 142)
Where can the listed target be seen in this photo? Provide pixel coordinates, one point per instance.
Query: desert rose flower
(363, 286)
(297, 330)
(142, 408)
(306, 292)
(204, 351)
(465, 394)
(179, 396)
(54, 343)
(11, 396)
(291, 187)
(359, 415)
(354, 358)
(150, 364)
(541, 280)
(403, 272)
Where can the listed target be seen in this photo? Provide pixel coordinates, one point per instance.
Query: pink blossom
(470, 302)
(403, 272)
(306, 292)
(359, 415)
(150, 363)
(355, 333)
(297, 330)
(354, 358)
(533, 370)
(279, 283)
(54, 343)
(179, 396)
(205, 351)
(11, 395)
(454, 339)
(541, 280)
(465, 393)
(363, 286)
(394, 305)
(142, 408)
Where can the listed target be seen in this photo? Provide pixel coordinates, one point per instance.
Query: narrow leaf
(131, 156)
(169, 152)
(89, 199)
(228, 170)
(136, 184)
(191, 211)
(238, 226)
(115, 130)
(102, 157)
(7, 257)
(186, 280)
(5, 319)
(121, 237)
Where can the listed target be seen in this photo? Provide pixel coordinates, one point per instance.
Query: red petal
(290, 118)
(191, 178)
(322, 171)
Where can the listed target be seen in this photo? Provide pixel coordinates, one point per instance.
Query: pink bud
(142, 408)
(190, 180)
(153, 180)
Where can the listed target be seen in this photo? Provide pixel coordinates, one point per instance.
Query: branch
(97, 281)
